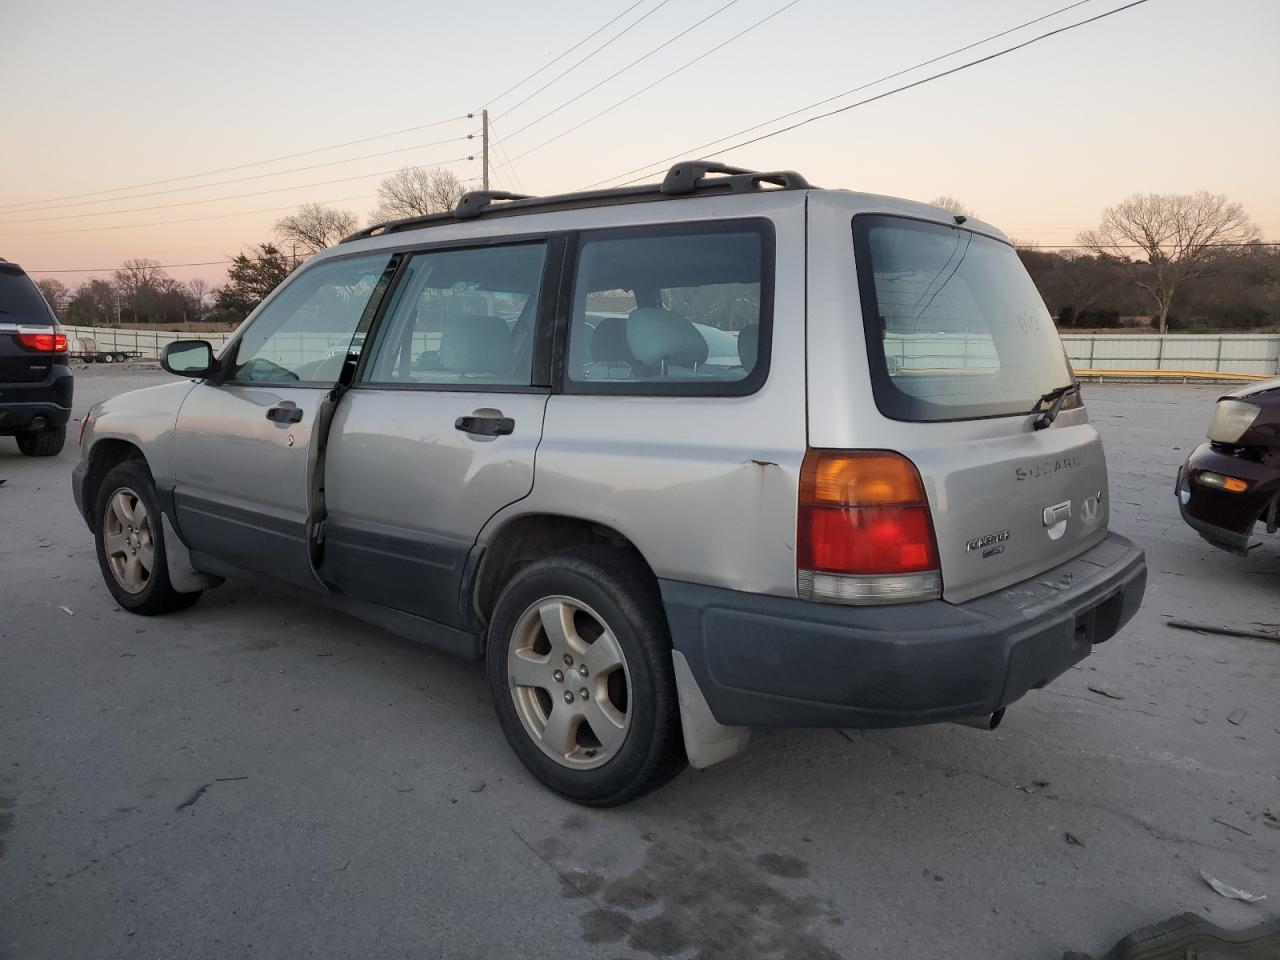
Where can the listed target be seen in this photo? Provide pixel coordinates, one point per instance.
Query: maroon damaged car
(1231, 485)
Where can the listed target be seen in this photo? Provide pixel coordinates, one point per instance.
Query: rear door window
(462, 319)
(672, 310)
(955, 327)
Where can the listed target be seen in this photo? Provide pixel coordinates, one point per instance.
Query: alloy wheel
(568, 678)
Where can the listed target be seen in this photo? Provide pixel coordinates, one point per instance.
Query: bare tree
(948, 202)
(135, 276)
(198, 288)
(1178, 234)
(416, 192)
(55, 293)
(315, 227)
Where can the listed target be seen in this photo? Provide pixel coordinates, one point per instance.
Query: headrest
(749, 346)
(477, 345)
(609, 341)
(660, 336)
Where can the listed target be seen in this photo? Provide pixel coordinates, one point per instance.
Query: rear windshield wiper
(1054, 398)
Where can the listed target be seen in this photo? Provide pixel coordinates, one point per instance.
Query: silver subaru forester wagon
(676, 461)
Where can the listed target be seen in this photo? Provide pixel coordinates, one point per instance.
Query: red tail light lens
(43, 341)
(865, 532)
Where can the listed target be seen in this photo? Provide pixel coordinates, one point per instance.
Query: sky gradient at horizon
(1171, 96)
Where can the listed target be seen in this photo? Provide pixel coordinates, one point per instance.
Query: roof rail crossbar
(473, 202)
(684, 178)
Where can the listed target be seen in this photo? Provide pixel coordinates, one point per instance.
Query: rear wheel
(130, 543)
(579, 667)
(42, 443)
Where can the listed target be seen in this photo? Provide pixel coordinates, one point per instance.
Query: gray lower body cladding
(776, 661)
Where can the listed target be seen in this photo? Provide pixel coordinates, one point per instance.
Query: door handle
(493, 425)
(285, 414)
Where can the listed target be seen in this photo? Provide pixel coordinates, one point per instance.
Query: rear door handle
(285, 414)
(486, 426)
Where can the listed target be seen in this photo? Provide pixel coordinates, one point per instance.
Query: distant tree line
(1187, 262)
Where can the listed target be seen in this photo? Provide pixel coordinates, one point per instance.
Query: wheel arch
(105, 455)
(520, 540)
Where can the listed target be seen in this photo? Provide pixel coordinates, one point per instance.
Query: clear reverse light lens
(1231, 419)
(844, 588)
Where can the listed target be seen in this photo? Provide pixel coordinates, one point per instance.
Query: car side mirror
(189, 358)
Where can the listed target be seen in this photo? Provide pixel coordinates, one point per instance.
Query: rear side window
(955, 327)
(20, 300)
(672, 310)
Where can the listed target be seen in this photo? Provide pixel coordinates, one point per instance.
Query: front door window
(304, 334)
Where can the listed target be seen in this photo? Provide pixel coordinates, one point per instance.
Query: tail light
(42, 339)
(865, 533)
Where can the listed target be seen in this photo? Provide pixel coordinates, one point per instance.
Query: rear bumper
(22, 403)
(1225, 519)
(774, 661)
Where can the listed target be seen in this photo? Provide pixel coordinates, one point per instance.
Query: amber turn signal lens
(836, 478)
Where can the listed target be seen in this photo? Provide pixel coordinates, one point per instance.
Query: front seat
(476, 346)
(665, 339)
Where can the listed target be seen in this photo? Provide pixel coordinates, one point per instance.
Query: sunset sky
(1170, 96)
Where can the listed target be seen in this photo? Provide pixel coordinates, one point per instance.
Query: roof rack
(688, 178)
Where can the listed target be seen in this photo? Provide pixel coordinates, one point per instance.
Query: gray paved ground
(363, 803)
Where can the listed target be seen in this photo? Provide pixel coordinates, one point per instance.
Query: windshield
(955, 327)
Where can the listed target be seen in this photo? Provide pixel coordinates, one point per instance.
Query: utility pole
(484, 148)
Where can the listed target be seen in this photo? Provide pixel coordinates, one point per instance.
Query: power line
(618, 73)
(892, 76)
(216, 216)
(936, 76)
(661, 79)
(565, 73)
(238, 196)
(506, 159)
(255, 176)
(242, 166)
(164, 266)
(555, 60)
(303, 153)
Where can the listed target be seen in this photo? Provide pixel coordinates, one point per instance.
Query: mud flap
(706, 742)
(182, 575)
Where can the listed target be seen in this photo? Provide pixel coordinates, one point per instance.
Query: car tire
(107, 358)
(42, 443)
(601, 590)
(128, 533)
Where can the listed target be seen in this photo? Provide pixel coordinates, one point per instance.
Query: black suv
(35, 377)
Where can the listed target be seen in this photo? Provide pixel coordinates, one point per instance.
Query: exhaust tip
(39, 423)
(986, 721)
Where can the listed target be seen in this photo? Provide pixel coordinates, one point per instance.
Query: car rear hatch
(929, 339)
(25, 320)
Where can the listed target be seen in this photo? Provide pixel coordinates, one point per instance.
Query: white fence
(147, 342)
(1257, 353)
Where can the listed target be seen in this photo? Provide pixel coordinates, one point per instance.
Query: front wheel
(130, 543)
(579, 667)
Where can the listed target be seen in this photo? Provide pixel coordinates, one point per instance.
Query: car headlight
(1231, 419)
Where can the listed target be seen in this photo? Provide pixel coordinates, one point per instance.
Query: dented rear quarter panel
(705, 487)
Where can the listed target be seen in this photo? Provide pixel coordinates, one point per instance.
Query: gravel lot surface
(259, 778)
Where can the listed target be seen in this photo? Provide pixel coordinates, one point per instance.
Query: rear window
(955, 328)
(20, 300)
